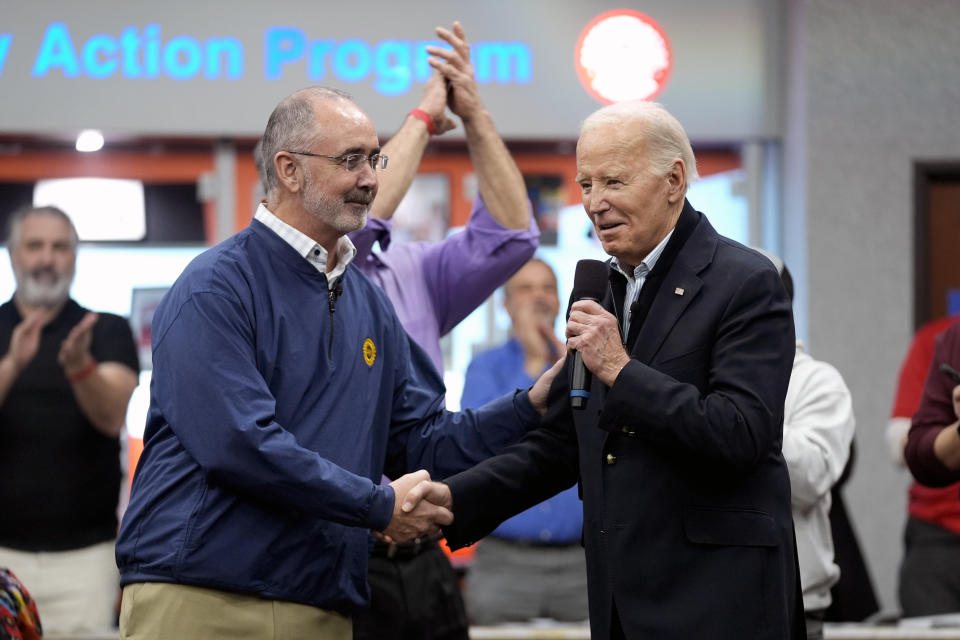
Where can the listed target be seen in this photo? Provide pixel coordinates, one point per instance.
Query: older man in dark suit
(687, 522)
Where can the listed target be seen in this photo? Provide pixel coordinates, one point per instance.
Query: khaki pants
(164, 611)
(74, 590)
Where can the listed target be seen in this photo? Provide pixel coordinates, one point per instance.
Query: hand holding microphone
(589, 283)
(592, 333)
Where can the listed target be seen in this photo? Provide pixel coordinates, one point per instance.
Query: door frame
(925, 172)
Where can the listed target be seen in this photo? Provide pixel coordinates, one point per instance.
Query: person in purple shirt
(435, 286)
(532, 565)
(414, 591)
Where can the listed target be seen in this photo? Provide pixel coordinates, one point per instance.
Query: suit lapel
(680, 286)
(667, 308)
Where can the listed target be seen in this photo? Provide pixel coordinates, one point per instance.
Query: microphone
(589, 283)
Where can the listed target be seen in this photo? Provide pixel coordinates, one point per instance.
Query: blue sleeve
(223, 414)
(543, 463)
(424, 435)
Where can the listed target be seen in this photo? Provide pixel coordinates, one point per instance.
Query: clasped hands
(74, 352)
(420, 508)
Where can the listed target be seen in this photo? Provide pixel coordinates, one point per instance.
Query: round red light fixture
(623, 55)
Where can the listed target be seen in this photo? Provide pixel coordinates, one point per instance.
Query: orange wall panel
(163, 167)
(188, 166)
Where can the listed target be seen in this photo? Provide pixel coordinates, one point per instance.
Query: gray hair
(666, 141)
(21, 214)
(291, 127)
(258, 160)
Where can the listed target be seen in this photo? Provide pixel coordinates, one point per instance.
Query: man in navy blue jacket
(687, 522)
(284, 387)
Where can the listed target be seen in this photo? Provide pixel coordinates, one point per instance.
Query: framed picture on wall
(547, 196)
(936, 227)
(142, 306)
(424, 213)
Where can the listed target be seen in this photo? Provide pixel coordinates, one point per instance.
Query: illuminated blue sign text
(138, 55)
(6, 39)
(391, 66)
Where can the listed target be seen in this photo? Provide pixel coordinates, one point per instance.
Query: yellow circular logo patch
(369, 352)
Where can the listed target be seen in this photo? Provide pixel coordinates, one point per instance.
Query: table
(554, 631)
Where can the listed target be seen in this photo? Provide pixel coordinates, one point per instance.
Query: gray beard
(336, 214)
(37, 293)
(331, 211)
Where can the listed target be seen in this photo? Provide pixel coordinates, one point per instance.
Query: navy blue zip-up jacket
(274, 410)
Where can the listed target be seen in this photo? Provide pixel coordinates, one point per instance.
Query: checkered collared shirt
(307, 247)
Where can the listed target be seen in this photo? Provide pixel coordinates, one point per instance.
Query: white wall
(874, 86)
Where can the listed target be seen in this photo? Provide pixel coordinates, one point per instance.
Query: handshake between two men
(420, 507)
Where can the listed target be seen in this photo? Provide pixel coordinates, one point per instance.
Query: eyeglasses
(351, 161)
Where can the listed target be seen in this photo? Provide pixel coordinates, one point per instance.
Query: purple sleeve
(934, 413)
(463, 270)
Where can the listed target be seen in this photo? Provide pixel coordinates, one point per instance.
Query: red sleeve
(913, 371)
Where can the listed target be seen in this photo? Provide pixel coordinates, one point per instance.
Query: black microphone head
(590, 280)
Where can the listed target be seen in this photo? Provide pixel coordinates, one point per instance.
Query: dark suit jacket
(687, 523)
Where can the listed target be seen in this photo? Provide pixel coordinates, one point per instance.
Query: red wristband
(425, 117)
(84, 373)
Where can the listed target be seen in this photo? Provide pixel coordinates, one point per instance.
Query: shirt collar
(647, 264)
(382, 231)
(306, 247)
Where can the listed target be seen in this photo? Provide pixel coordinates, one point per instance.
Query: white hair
(663, 135)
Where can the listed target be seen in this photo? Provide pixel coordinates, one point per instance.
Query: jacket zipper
(332, 295)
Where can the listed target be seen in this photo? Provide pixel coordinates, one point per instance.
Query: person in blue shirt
(532, 565)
